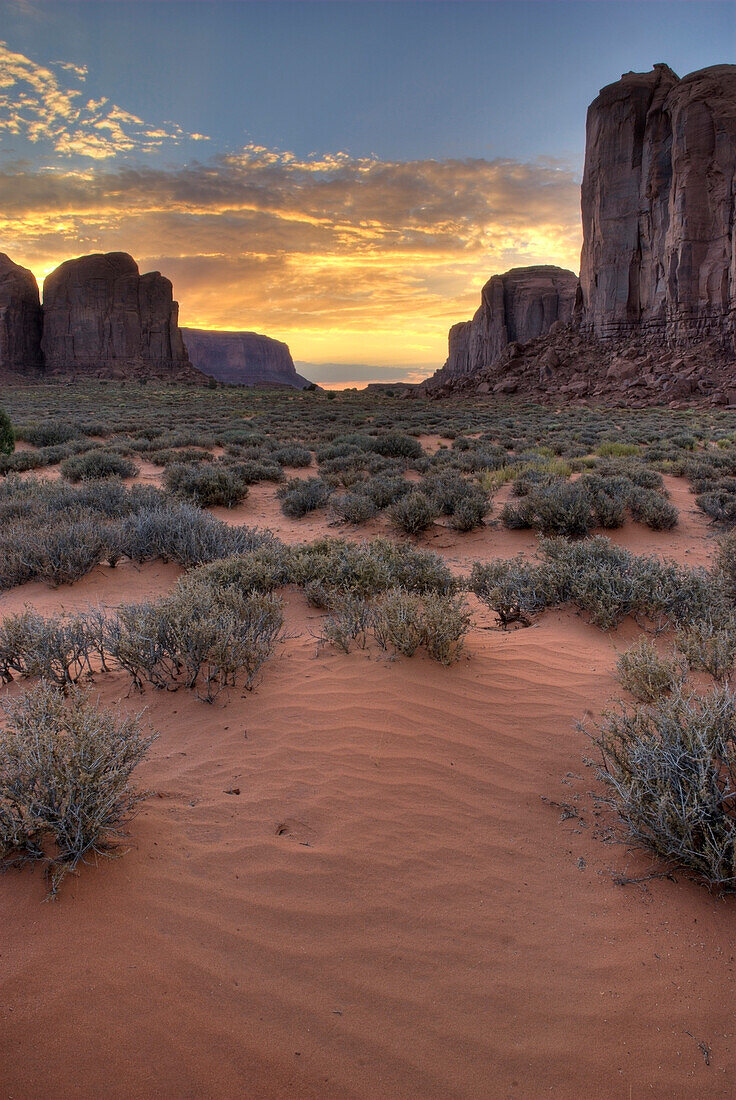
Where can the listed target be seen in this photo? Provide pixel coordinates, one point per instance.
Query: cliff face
(102, 317)
(659, 250)
(21, 319)
(517, 306)
(242, 358)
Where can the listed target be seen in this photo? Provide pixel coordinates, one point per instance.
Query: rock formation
(659, 250)
(515, 307)
(102, 317)
(242, 358)
(20, 319)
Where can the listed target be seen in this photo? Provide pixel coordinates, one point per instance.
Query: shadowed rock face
(659, 253)
(102, 317)
(517, 306)
(242, 358)
(21, 319)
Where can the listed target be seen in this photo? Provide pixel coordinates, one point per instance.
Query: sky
(344, 176)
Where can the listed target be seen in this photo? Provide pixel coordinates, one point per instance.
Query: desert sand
(372, 878)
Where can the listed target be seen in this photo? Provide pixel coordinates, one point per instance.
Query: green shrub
(611, 449)
(670, 768)
(347, 622)
(353, 507)
(65, 772)
(94, 465)
(298, 497)
(470, 511)
(206, 485)
(7, 435)
(397, 621)
(413, 513)
(515, 590)
(709, 647)
(650, 507)
(445, 622)
(560, 508)
(645, 674)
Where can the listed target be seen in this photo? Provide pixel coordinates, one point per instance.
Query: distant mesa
(21, 319)
(102, 317)
(242, 358)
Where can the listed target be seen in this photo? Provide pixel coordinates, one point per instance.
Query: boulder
(101, 315)
(21, 319)
(242, 358)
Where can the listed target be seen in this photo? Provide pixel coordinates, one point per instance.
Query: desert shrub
(645, 674)
(600, 578)
(719, 504)
(725, 563)
(470, 511)
(348, 621)
(709, 647)
(444, 623)
(515, 590)
(446, 489)
(293, 455)
(206, 485)
(182, 533)
(64, 551)
(262, 570)
(650, 507)
(413, 513)
(251, 470)
(368, 568)
(94, 465)
(385, 489)
(353, 507)
(670, 768)
(298, 497)
(560, 508)
(201, 637)
(395, 444)
(49, 433)
(397, 621)
(609, 497)
(7, 435)
(58, 648)
(65, 779)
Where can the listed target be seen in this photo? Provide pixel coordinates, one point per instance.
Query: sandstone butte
(654, 313)
(242, 358)
(102, 318)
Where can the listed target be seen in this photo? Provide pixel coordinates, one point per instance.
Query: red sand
(389, 908)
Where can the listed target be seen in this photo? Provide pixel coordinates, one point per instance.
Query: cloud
(344, 257)
(46, 106)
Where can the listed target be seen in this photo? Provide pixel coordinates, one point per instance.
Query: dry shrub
(671, 771)
(647, 675)
(65, 771)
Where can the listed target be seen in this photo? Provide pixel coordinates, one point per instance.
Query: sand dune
(388, 907)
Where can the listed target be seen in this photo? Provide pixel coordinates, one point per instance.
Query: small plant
(397, 621)
(205, 484)
(709, 647)
(353, 508)
(652, 508)
(670, 768)
(470, 512)
(347, 621)
(94, 465)
(647, 675)
(65, 772)
(444, 624)
(413, 513)
(298, 497)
